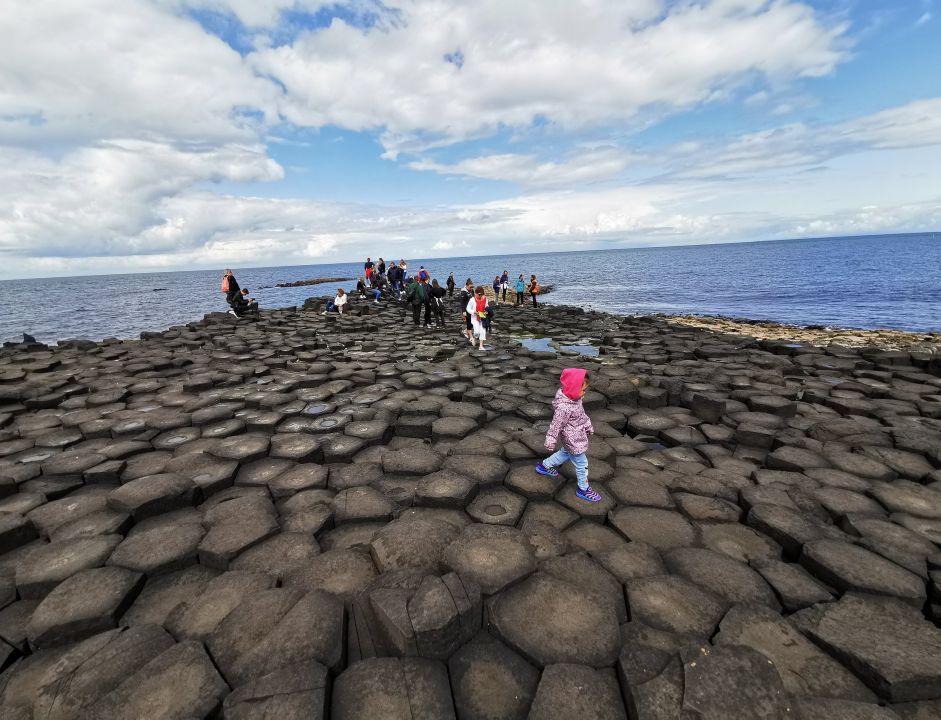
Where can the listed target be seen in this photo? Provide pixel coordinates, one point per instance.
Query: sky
(141, 135)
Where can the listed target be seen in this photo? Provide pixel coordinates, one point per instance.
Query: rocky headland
(300, 515)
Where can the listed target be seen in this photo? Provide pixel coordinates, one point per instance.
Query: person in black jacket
(415, 295)
(466, 294)
(450, 284)
(437, 302)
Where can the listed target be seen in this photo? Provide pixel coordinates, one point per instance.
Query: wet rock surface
(310, 516)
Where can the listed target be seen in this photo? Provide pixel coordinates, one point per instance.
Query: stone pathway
(303, 516)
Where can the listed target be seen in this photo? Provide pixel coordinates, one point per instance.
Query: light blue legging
(580, 462)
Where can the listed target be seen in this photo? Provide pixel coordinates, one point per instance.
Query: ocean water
(863, 282)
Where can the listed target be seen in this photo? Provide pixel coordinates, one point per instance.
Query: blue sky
(165, 134)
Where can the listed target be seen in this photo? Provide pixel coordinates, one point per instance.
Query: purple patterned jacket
(571, 423)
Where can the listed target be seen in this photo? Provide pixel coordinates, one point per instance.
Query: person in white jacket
(338, 302)
(477, 311)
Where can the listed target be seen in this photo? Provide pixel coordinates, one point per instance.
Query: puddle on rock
(546, 344)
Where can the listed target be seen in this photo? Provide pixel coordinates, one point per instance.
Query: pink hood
(572, 380)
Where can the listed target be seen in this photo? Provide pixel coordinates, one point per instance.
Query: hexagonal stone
(885, 642)
(243, 448)
(697, 507)
(550, 513)
(452, 428)
(161, 549)
(293, 691)
(491, 681)
(497, 506)
(278, 555)
(48, 565)
(278, 627)
(908, 497)
(102, 522)
(848, 567)
(663, 529)
(444, 613)
(632, 560)
(536, 618)
(859, 465)
(412, 544)
(445, 488)
(181, 681)
(803, 667)
(345, 573)
(724, 577)
(296, 446)
(638, 488)
(674, 604)
(359, 504)
(261, 472)
(583, 572)
(480, 468)
(591, 537)
(46, 518)
(412, 461)
(731, 681)
(795, 587)
(198, 616)
(153, 495)
(232, 536)
(71, 463)
(576, 691)
(210, 474)
(491, 556)
(118, 654)
(738, 542)
(791, 528)
(796, 459)
(341, 448)
(414, 688)
(530, 484)
(306, 476)
(87, 603)
(163, 593)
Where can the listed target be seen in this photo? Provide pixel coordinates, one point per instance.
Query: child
(574, 426)
(476, 310)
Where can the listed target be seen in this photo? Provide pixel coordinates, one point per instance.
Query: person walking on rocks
(477, 308)
(437, 301)
(504, 284)
(520, 290)
(415, 295)
(533, 288)
(496, 289)
(429, 302)
(467, 294)
(571, 424)
(450, 284)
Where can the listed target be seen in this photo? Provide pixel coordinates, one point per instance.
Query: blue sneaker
(543, 470)
(588, 494)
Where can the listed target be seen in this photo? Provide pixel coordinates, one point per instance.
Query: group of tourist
(424, 294)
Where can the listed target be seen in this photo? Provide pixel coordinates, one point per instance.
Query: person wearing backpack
(520, 290)
(416, 296)
(437, 301)
(533, 288)
(230, 286)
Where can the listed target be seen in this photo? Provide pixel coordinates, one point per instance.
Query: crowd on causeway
(420, 292)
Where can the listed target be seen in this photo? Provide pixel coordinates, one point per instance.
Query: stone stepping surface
(330, 517)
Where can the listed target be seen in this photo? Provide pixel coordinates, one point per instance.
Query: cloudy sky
(180, 134)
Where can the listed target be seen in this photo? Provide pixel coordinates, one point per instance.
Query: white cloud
(584, 167)
(574, 64)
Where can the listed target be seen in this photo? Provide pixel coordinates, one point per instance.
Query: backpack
(535, 290)
(225, 283)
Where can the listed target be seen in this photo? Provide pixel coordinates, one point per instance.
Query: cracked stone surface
(300, 515)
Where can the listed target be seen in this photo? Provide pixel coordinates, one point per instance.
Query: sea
(886, 281)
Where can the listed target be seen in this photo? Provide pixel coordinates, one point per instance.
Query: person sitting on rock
(243, 304)
(361, 288)
(571, 423)
(338, 302)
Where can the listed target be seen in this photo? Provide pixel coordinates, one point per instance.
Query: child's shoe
(588, 494)
(543, 470)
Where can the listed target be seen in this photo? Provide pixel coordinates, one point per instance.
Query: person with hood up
(450, 283)
(571, 424)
